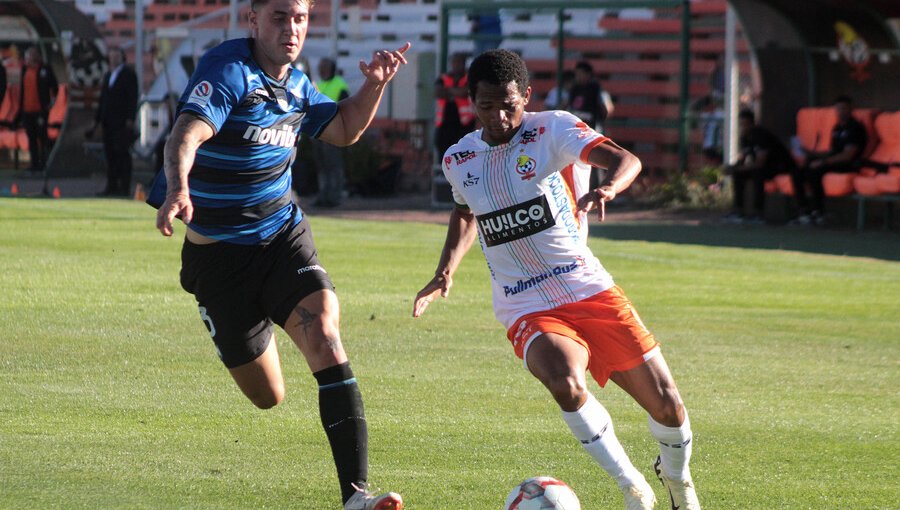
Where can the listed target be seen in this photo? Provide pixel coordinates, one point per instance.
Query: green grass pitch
(785, 350)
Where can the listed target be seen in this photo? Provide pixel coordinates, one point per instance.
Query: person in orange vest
(454, 115)
(329, 158)
(36, 95)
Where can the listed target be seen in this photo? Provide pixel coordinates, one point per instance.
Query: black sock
(344, 420)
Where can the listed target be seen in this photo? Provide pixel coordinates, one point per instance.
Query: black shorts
(241, 290)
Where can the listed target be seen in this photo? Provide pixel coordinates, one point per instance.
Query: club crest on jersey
(471, 180)
(515, 222)
(201, 93)
(281, 137)
(525, 167)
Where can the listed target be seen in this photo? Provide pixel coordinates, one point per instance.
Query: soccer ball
(542, 493)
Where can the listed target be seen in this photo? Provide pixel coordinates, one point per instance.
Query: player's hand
(176, 204)
(597, 199)
(384, 65)
(438, 286)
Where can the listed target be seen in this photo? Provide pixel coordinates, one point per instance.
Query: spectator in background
(454, 115)
(588, 102)
(558, 97)
(848, 140)
(116, 112)
(329, 159)
(488, 29)
(36, 96)
(585, 96)
(762, 157)
(712, 117)
(2, 82)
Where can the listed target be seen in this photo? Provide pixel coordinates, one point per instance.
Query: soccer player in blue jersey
(248, 255)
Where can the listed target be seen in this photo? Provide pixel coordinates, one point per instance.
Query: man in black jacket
(36, 96)
(848, 141)
(115, 114)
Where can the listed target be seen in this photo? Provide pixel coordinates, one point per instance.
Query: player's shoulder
(227, 65)
(557, 118)
(463, 151)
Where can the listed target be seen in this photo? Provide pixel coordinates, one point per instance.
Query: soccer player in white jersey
(521, 186)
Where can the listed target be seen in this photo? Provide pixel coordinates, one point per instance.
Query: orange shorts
(606, 324)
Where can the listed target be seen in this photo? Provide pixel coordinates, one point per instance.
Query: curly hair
(498, 67)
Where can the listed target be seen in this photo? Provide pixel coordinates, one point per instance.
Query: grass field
(111, 395)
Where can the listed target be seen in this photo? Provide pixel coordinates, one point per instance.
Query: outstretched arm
(461, 232)
(622, 169)
(357, 111)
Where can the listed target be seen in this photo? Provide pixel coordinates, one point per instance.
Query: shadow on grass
(874, 244)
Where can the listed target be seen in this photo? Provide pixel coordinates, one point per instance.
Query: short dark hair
(585, 66)
(747, 114)
(843, 98)
(498, 67)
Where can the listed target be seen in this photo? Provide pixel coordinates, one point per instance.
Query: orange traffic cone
(56, 193)
(14, 189)
(139, 193)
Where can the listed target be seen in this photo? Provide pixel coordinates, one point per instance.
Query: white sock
(674, 448)
(592, 425)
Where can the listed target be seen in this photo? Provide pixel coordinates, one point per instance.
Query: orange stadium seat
(885, 154)
(58, 113)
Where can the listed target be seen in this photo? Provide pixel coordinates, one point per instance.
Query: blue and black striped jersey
(240, 183)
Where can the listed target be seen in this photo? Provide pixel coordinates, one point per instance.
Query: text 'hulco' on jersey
(516, 222)
(283, 137)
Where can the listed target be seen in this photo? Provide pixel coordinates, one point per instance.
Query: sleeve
(131, 94)
(216, 87)
(321, 109)
(447, 168)
(573, 138)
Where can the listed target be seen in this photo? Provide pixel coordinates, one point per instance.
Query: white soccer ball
(542, 493)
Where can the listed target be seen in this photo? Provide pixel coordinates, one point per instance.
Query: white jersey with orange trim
(523, 195)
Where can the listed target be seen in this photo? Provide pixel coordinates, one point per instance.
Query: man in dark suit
(115, 114)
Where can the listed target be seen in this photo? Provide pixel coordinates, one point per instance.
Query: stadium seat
(784, 184)
(888, 183)
(57, 113)
(866, 185)
(838, 185)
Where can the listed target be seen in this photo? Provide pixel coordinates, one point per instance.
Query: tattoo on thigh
(306, 319)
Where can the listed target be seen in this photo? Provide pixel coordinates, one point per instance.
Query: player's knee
(326, 340)
(569, 391)
(267, 398)
(670, 412)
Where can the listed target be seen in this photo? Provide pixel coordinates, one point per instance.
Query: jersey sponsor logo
(463, 156)
(532, 135)
(283, 137)
(447, 161)
(525, 167)
(523, 285)
(560, 195)
(471, 180)
(201, 93)
(516, 222)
